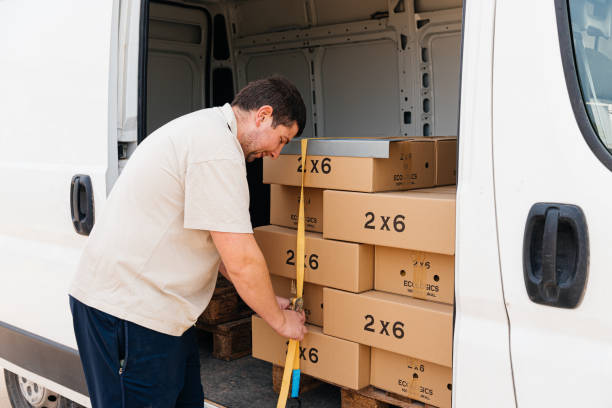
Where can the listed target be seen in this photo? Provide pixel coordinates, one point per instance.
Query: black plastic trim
(556, 254)
(573, 86)
(51, 360)
(82, 204)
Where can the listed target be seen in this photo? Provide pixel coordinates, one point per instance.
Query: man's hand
(283, 303)
(293, 325)
(246, 268)
(292, 328)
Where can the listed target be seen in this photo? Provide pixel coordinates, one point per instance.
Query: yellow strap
(293, 356)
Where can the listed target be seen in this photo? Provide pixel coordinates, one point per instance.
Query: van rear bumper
(49, 359)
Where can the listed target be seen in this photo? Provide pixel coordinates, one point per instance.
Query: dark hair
(280, 94)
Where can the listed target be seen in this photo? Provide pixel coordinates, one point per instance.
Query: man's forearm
(254, 286)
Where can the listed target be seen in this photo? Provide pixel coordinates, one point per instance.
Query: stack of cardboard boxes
(379, 266)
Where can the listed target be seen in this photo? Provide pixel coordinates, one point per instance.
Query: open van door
(58, 158)
(75, 103)
(552, 172)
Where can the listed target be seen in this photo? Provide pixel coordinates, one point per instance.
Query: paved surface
(4, 401)
(247, 383)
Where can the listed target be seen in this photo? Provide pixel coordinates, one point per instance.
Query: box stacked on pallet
(328, 263)
(407, 319)
(352, 201)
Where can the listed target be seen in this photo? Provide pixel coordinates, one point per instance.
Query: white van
(526, 85)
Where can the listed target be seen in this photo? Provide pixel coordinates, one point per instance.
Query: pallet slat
(225, 305)
(231, 340)
(372, 397)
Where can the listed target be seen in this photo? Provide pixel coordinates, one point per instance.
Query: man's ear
(263, 114)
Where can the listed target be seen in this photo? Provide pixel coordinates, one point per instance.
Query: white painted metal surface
(437, 74)
(349, 64)
(560, 357)
(127, 80)
(351, 81)
(293, 65)
(57, 115)
(482, 375)
(176, 66)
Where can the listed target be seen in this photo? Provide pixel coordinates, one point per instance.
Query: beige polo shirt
(150, 258)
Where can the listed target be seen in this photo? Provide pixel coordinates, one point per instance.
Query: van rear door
(57, 120)
(552, 174)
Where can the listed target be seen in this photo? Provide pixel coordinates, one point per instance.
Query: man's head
(270, 112)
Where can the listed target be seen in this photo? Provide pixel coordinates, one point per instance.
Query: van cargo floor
(247, 382)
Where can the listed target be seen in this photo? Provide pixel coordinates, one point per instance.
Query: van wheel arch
(48, 398)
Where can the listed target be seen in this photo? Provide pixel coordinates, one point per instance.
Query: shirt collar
(228, 113)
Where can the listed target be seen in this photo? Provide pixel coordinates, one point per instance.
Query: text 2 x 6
(386, 328)
(316, 166)
(384, 222)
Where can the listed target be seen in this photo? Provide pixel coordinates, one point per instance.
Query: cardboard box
(422, 275)
(446, 160)
(422, 220)
(342, 265)
(413, 378)
(284, 207)
(400, 324)
(410, 165)
(313, 297)
(325, 357)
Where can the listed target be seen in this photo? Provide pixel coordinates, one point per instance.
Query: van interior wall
(177, 61)
(364, 68)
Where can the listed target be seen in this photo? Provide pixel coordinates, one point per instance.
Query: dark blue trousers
(130, 366)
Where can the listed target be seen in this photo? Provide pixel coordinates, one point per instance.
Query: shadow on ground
(247, 382)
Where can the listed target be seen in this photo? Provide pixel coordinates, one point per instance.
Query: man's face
(266, 140)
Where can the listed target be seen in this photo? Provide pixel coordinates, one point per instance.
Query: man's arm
(283, 303)
(223, 271)
(245, 267)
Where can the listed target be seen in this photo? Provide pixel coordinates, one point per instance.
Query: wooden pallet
(231, 340)
(225, 305)
(307, 382)
(368, 397)
(372, 397)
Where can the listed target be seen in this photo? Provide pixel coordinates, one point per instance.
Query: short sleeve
(217, 197)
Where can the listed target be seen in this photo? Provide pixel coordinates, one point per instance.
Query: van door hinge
(122, 150)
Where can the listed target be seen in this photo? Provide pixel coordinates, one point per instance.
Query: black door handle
(81, 204)
(556, 254)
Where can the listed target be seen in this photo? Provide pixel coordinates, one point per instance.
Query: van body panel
(60, 365)
(55, 111)
(58, 86)
(561, 357)
(482, 373)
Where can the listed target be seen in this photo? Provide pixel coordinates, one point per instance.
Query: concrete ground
(4, 401)
(247, 383)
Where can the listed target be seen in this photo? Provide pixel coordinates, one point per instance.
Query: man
(149, 267)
